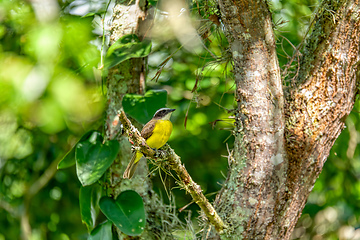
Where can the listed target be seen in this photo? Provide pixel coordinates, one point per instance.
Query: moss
(235, 217)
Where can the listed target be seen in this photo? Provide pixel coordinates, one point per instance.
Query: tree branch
(175, 164)
(324, 96)
(34, 189)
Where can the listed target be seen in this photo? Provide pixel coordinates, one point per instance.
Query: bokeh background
(51, 93)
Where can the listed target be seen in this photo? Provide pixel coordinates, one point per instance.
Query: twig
(43, 180)
(297, 49)
(174, 162)
(39, 184)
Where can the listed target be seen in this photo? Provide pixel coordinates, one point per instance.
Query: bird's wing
(148, 129)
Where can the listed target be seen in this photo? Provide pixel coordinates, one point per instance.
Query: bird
(156, 133)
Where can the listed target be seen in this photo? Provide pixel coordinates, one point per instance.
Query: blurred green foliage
(49, 97)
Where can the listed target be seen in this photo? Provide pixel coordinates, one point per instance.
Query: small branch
(175, 164)
(43, 180)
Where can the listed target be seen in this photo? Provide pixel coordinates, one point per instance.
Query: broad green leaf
(89, 198)
(126, 212)
(93, 158)
(142, 108)
(102, 232)
(129, 46)
(69, 159)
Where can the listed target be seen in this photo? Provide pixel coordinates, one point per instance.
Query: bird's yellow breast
(161, 134)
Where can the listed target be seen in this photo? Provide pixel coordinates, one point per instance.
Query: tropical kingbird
(156, 133)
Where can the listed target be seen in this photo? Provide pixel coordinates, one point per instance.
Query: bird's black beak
(172, 109)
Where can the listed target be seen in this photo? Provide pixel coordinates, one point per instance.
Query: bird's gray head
(163, 113)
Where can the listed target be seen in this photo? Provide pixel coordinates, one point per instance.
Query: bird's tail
(131, 167)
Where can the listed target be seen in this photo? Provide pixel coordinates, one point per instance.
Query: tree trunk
(281, 145)
(131, 17)
(122, 79)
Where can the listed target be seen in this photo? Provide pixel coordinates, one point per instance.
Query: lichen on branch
(174, 163)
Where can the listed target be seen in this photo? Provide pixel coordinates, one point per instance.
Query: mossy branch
(174, 162)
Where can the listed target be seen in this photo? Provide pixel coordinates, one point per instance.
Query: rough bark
(316, 110)
(279, 154)
(256, 177)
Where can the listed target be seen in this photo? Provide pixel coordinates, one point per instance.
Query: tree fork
(278, 154)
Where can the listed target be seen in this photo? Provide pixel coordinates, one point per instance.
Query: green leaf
(89, 198)
(102, 232)
(93, 158)
(142, 108)
(69, 159)
(129, 46)
(126, 212)
(153, 3)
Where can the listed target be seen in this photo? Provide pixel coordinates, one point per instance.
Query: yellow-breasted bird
(156, 133)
